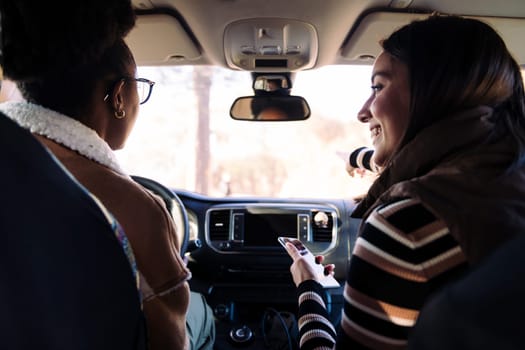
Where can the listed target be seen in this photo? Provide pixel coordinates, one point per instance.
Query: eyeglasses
(144, 88)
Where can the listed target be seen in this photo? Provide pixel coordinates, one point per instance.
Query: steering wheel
(175, 207)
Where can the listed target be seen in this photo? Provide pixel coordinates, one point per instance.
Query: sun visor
(362, 45)
(160, 39)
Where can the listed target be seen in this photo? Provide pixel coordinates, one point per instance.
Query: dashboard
(244, 272)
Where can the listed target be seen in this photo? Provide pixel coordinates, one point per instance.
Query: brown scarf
(462, 177)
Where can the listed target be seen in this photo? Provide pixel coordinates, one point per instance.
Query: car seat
(67, 282)
(482, 311)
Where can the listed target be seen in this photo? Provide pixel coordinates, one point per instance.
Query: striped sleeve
(402, 255)
(361, 158)
(315, 329)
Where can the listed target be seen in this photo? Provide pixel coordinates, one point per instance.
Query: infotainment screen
(262, 229)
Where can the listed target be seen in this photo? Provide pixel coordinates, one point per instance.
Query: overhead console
(270, 45)
(254, 228)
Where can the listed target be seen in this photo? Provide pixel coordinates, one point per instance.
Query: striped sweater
(403, 254)
(361, 158)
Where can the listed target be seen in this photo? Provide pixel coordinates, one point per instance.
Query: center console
(253, 295)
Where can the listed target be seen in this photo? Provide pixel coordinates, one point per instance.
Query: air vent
(219, 225)
(322, 226)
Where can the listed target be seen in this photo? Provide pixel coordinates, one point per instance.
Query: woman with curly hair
(78, 78)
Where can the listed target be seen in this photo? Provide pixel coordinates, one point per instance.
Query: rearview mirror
(270, 108)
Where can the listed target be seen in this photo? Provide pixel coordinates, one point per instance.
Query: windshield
(184, 136)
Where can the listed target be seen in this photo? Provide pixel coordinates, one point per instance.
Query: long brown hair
(457, 63)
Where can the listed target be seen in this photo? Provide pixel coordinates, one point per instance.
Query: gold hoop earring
(120, 114)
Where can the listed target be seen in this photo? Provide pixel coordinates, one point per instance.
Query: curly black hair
(42, 37)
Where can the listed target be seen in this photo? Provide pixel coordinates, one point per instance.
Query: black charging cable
(268, 313)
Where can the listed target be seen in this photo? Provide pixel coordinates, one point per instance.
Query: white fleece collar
(62, 129)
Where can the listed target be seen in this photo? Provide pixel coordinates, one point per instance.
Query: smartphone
(326, 281)
(297, 243)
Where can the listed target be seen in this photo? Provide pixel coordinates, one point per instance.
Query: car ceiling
(196, 32)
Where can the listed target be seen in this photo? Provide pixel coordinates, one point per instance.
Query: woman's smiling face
(387, 109)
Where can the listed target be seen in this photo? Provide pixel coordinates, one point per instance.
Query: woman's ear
(117, 96)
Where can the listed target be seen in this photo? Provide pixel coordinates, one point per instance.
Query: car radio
(255, 227)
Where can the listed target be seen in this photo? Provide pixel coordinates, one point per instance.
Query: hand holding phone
(326, 281)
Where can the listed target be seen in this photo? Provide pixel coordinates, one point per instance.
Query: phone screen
(297, 243)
